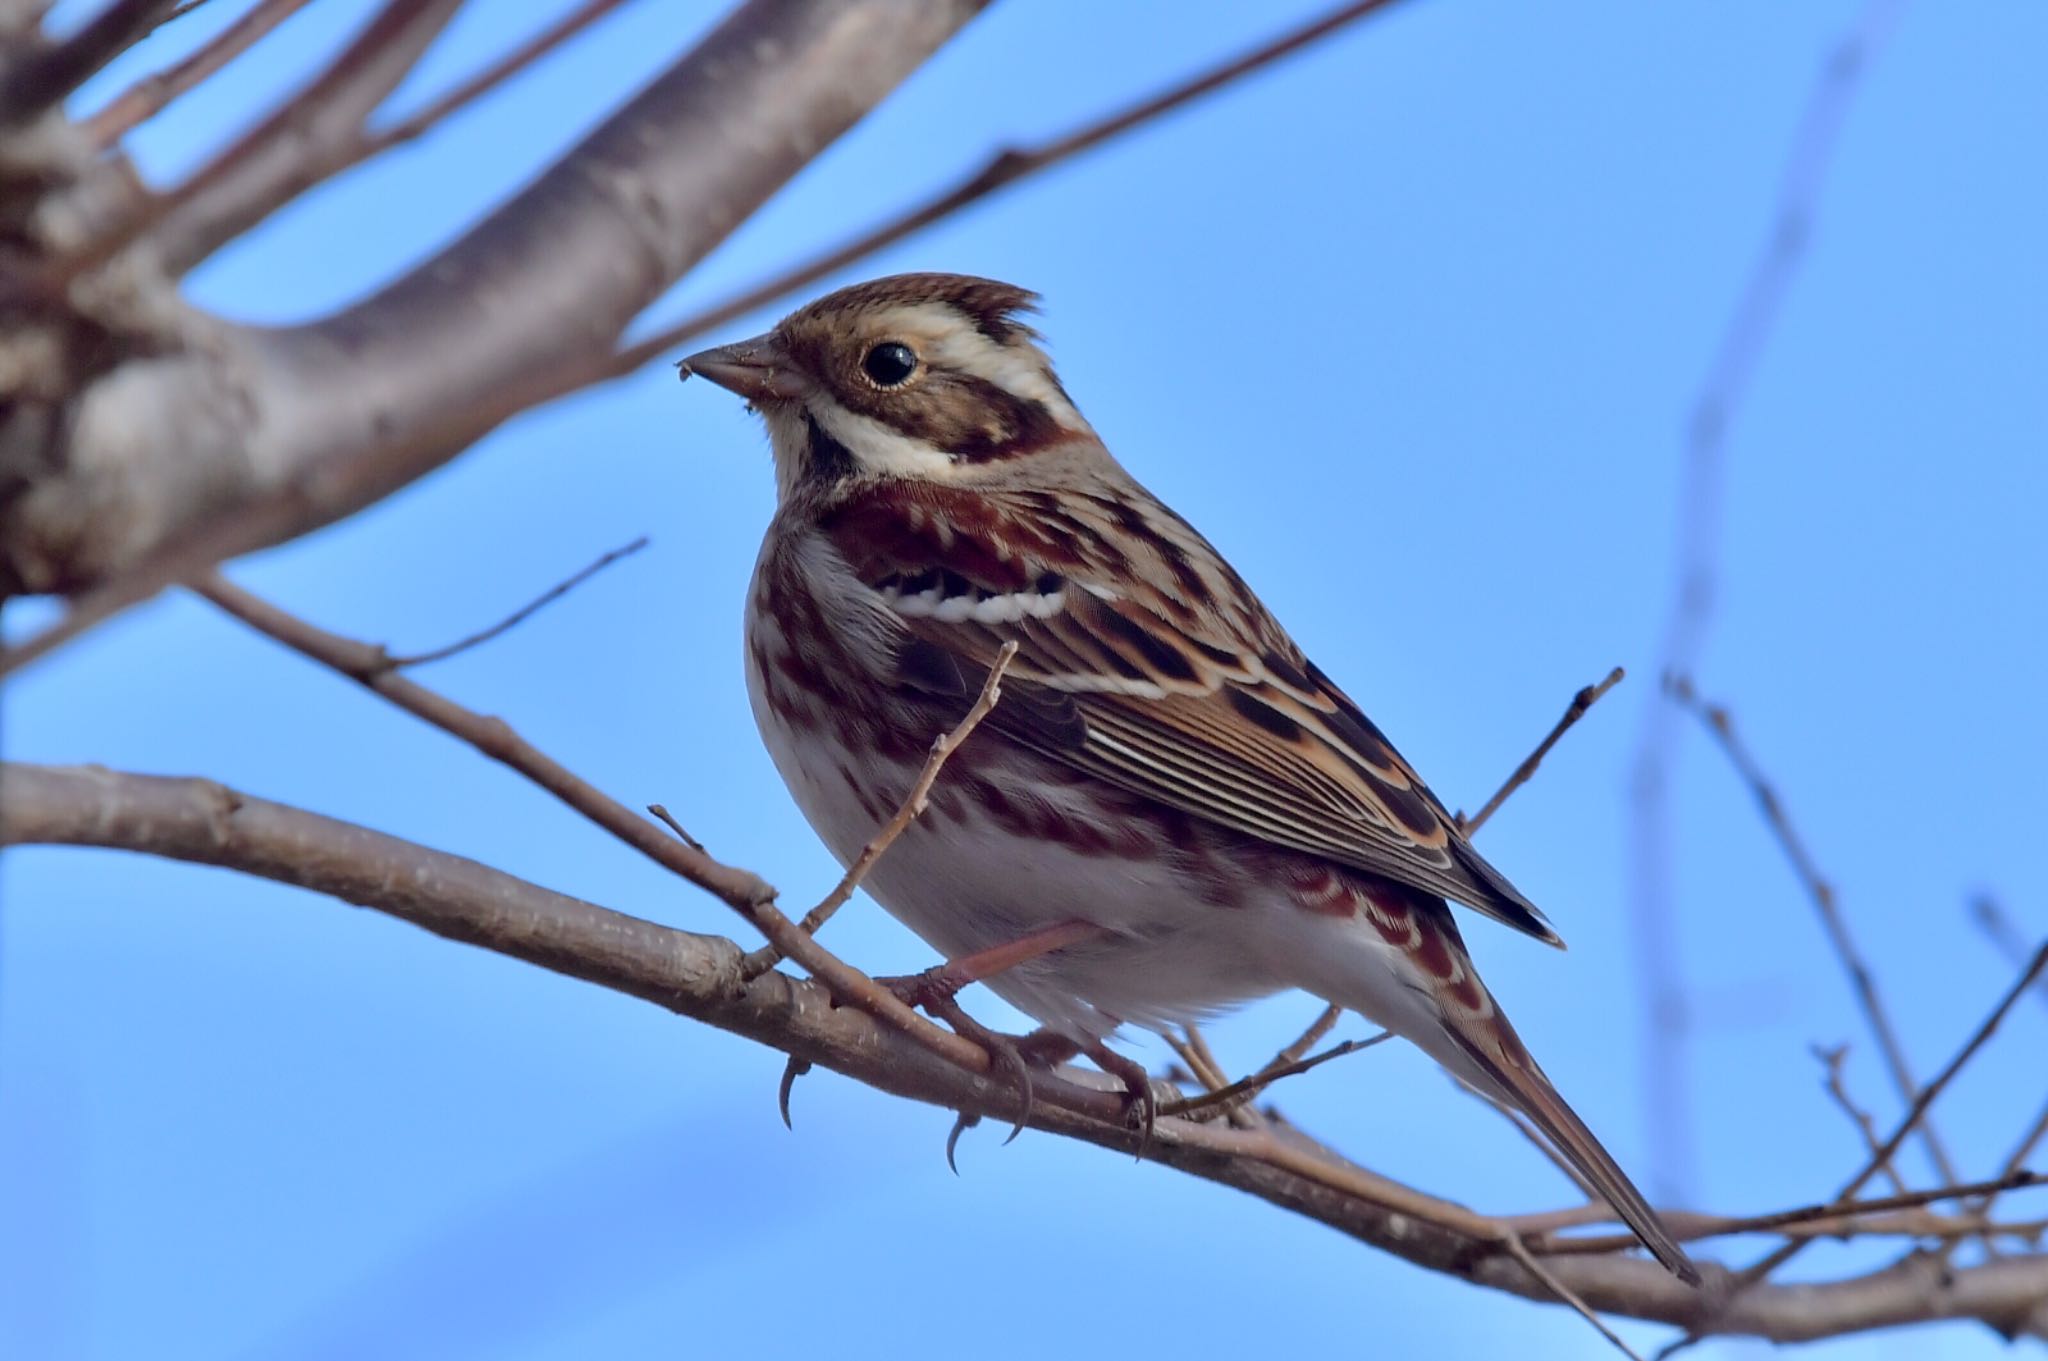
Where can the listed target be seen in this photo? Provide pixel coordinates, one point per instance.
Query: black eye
(889, 363)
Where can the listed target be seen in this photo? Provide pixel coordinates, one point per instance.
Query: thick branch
(245, 437)
(699, 976)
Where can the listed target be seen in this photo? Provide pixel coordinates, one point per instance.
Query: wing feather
(1212, 711)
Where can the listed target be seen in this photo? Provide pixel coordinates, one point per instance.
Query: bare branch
(1833, 1061)
(40, 80)
(1667, 1086)
(256, 434)
(907, 812)
(301, 144)
(1576, 710)
(1854, 1219)
(740, 890)
(1564, 1292)
(1002, 169)
(698, 976)
(1246, 1088)
(1991, 918)
(484, 81)
(1822, 894)
(523, 613)
(1584, 700)
(153, 93)
(1916, 1112)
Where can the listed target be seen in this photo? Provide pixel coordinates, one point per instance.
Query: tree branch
(153, 93)
(698, 976)
(1000, 170)
(41, 79)
(243, 436)
(1667, 1094)
(1862, 979)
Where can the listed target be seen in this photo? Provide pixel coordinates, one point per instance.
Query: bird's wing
(1210, 710)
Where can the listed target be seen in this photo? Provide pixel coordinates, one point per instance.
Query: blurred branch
(483, 82)
(39, 79)
(699, 976)
(1002, 169)
(1721, 726)
(1914, 1114)
(520, 311)
(1832, 1062)
(1991, 918)
(153, 93)
(305, 142)
(1667, 1083)
(259, 434)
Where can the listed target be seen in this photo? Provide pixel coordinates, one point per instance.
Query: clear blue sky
(1409, 327)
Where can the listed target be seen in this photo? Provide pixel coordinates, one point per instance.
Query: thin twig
(2015, 1161)
(1862, 981)
(523, 613)
(907, 812)
(694, 975)
(153, 93)
(282, 512)
(1667, 1088)
(1833, 1060)
(1520, 1252)
(1991, 918)
(1200, 1064)
(1916, 1112)
(1004, 168)
(45, 76)
(1839, 1220)
(745, 893)
(1576, 710)
(482, 83)
(1244, 1089)
(668, 820)
(1585, 699)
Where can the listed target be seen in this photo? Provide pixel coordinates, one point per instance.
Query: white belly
(965, 885)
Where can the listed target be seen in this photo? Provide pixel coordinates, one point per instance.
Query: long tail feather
(1522, 1083)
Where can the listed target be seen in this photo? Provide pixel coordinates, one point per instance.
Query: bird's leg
(935, 990)
(944, 980)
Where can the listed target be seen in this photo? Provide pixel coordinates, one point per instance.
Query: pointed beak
(756, 369)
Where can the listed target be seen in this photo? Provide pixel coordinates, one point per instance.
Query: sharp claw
(1008, 1057)
(961, 1125)
(1141, 1106)
(791, 1071)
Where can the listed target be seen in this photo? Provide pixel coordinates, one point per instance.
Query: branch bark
(232, 437)
(699, 977)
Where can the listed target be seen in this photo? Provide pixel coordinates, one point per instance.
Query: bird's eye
(889, 363)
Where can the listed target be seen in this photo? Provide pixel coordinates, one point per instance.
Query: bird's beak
(756, 369)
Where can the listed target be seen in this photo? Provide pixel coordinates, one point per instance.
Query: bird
(1170, 810)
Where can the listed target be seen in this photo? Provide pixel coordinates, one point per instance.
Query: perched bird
(1171, 809)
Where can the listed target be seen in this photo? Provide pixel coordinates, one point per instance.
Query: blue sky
(1410, 327)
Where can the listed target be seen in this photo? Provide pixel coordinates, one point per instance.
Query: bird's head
(917, 377)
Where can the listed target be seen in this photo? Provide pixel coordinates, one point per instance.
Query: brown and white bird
(1171, 809)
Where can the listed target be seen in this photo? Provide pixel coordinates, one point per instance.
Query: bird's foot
(1141, 1106)
(1011, 1056)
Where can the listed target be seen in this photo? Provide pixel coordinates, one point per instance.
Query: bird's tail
(1438, 1002)
(1515, 1078)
